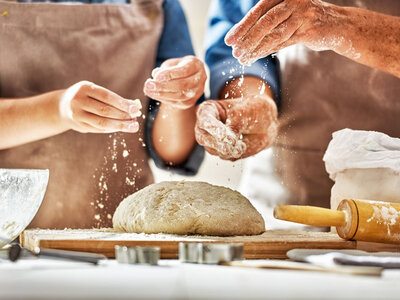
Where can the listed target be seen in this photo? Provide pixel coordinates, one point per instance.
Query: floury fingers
(236, 128)
(178, 82)
(213, 133)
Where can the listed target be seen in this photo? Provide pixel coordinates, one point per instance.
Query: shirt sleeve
(223, 15)
(174, 42)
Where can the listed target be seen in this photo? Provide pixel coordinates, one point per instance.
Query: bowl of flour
(21, 194)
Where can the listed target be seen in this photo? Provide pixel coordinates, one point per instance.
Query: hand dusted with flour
(188, 208)
(367, 37)
(87, 107)
(178, 82)
(241, 125)
(236, 128)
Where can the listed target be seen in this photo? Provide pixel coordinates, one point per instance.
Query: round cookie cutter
(137, 255)
(208, 253)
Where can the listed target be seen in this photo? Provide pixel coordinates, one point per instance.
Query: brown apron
(50, 46)
(323, 92)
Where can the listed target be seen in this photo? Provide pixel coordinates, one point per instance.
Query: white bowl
(21, 194)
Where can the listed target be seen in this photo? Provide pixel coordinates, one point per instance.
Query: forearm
(173, 133)
(370, 38)
(246, 86)
(25, 120)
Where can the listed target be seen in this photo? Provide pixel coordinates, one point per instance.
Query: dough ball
(188, 207)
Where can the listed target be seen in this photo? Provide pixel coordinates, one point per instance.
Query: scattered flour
(117, 148)
(386, 215)
(262, 89)
(189, 93)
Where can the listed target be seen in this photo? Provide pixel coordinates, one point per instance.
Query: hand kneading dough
(188, 207)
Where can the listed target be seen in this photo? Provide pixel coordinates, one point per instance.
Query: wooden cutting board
(271, 244)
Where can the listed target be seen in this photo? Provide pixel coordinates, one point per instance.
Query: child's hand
(178, 82)
(87, 107)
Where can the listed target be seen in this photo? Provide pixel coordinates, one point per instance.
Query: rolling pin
(362, 220)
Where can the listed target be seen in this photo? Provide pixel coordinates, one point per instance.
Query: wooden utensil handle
(310, 215)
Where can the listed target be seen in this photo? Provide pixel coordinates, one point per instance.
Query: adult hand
(178, 82)
(236, 128)
(275, 24)
(87, 107)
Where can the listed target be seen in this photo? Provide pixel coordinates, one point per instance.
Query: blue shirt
(174, 42)
(223, 15)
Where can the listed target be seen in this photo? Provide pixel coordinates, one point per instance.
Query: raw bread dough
(188, 207)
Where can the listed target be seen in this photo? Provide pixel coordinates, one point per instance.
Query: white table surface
(44, 279)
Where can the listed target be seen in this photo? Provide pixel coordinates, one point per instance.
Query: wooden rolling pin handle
(310, 215)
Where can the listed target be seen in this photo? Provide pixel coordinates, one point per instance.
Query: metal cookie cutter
(137, 255)
(207, 253)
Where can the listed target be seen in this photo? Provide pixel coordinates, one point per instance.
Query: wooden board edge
(28, 241)
(377, 247)
(169, 249)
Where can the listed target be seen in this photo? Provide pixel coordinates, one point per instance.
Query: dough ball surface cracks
(188, 207)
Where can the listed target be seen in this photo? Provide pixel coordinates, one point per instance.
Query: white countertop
(44, 279)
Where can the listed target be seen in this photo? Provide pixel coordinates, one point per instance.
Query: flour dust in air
(115, 162)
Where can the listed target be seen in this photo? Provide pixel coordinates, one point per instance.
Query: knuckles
(194, 62)
(105, 110)
(205, 107)
(102, 123)
(267, 20)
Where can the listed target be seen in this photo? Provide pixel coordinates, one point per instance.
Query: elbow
(173, 153)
